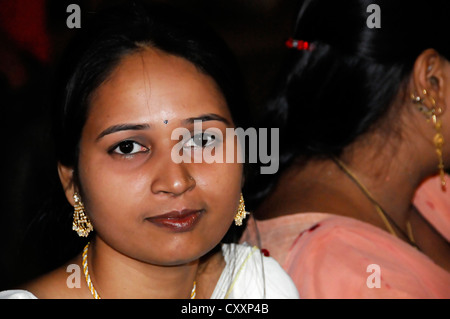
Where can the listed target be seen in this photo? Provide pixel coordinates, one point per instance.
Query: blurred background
(33, 35)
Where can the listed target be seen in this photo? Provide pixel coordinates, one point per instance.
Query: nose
(172, 178)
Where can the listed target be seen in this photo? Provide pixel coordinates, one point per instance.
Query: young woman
(364, 118)
(154, 224)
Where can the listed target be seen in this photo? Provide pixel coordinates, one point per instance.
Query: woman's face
(139, 200)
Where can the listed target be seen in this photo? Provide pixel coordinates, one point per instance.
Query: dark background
(33, 35)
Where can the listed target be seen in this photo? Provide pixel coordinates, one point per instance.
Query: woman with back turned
(365, 121)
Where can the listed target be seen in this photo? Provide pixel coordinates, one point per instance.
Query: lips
(178, 221)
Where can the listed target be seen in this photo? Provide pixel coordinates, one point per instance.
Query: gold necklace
(381, 212)
(91, 285)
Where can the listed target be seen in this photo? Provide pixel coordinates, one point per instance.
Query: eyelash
(116, 147)
(200, 136)
(211, 139)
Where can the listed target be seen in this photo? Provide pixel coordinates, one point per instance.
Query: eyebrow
(207, 117)
(122, 127)
(138, 127)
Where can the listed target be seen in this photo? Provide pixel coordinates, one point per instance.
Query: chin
(182, 254)
(173, 261)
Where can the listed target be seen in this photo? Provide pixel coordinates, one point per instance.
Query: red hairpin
(297, 44)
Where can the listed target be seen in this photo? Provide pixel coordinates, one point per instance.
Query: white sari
(247, 275)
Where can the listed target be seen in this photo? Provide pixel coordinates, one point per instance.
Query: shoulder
(61, 283)
(434, 204)
(336, 258)
(253, 275)
(278, 283)
(16, 294)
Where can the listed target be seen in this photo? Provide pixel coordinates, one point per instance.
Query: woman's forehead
(157, 86)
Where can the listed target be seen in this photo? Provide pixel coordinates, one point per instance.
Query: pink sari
(330, 256)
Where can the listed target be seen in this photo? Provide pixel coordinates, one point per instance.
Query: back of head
(345, 83)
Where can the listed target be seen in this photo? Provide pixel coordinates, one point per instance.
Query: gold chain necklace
(381, 212)
(91, 285)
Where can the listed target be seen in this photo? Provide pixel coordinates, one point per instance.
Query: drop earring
(81, 223)
(241, 213)
(438, 139)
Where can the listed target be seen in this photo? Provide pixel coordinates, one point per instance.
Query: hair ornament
(298, 44)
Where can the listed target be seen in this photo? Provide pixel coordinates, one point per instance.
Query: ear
(66, 176)
(429, 75)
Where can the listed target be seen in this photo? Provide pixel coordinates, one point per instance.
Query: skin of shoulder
(54, 284)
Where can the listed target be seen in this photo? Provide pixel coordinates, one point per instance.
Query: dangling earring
(241, 213)
(81, 223)
(438, 139)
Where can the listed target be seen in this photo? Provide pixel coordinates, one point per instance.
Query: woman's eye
(129, 148)
(201, 140)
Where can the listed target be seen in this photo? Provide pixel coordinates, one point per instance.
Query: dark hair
(92, 55)
(344, 85)
(122, 30)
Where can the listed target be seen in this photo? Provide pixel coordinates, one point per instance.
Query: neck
(116, 275)
(391, 174)
(390, 169)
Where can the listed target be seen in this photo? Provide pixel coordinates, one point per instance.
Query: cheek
(110, 196)
(221, 185)
(114, 204)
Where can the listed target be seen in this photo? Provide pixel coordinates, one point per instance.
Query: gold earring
(439, 144)
(438, 139)
(81, 223)
(241, 213)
